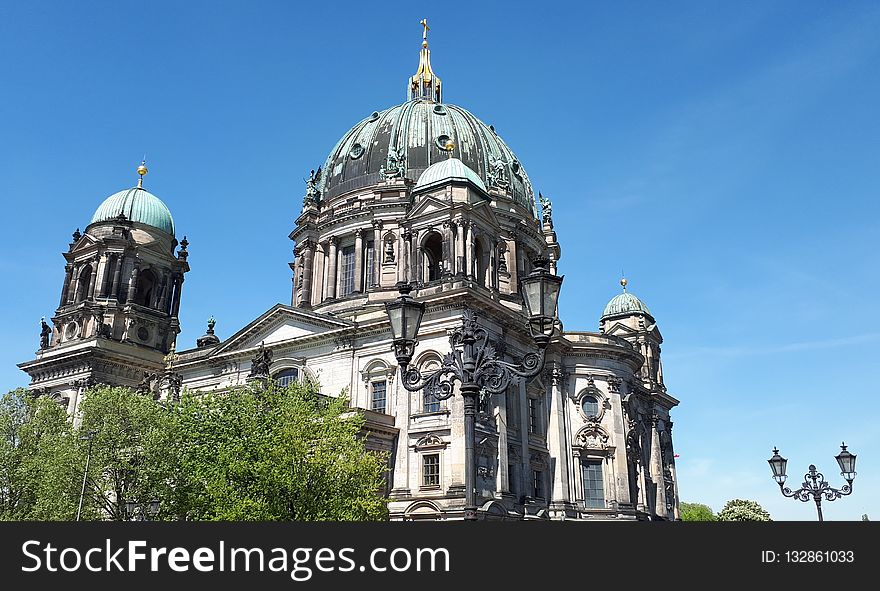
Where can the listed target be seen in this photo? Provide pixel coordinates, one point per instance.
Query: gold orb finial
(142, 170)
(623, 283)
(449, 146)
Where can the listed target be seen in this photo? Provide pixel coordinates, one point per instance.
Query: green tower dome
(137, 205)
(624, 304)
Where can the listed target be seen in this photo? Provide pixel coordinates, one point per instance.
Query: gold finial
(424, 23)
(142, 170)
(623, 283)
(449, 146)
(171, 357)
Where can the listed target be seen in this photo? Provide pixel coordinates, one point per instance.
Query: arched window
(82, 286)
(285, 377)
(433, 251)
(146, 284)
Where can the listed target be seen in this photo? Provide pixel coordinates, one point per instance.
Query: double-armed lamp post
(474, 361)
(814, 486)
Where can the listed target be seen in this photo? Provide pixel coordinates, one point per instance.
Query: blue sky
(724, 154)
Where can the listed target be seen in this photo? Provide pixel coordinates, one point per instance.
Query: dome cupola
(137, 205)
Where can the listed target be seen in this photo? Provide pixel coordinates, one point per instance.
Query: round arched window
(590, 404)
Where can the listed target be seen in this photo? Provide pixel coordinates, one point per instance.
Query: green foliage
(129, 458)
(256, 453)
(743, 510)
(697, 512)
(37, 479)
(267, 453)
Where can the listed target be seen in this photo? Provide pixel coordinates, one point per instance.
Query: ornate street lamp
(814, 486)
(474, 360)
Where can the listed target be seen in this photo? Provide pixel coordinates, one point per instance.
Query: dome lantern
(425, 85)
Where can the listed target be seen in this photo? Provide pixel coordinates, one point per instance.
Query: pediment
(426, 206)
(280, 323)
(620, 330)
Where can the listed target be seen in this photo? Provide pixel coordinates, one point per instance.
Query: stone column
(295, 267)
(175, 308)
(104, 267)
(657, 470)
(359, 282)
(305, 298)
(65, 288)
(376, 279)
(447, 266)
(556, 436)
(511, 264)
(460, 255)
(74, 288)
(407, 256)
(132, 283)
(469, 245)
(117, 273)
(91, 294)
(331, 270)
(163, 297)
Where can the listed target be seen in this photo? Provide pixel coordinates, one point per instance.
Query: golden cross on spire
(424, 23)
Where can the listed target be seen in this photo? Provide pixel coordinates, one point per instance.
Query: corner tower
(120, 299)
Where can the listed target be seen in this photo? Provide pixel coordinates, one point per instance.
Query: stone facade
(588, 438)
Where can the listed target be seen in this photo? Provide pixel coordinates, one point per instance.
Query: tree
(37, 453)
(271, 453)
(697, 512)
(130, 459)
(743, 510)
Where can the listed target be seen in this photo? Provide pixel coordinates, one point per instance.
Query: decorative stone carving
(497, 174)
(546, 210)
(395, 165)
(313, 195)
(592, 436)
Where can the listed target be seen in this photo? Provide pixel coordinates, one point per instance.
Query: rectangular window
(287, 377)
(347, 264)
(431, 470)
(511, 478)
(369, 268)
(594, 491)
(379, 396)
(432, 404)
(534, 416)
(538, 484)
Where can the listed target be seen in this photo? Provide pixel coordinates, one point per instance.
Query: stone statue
(211, 324)
(148, 382)
(389, 251)
(497, 178)
(396, 165)
(44, 334)
(260, 363)
(312, 192)
(546, 209)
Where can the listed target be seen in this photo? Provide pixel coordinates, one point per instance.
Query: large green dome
(418, 130)
(137, 205)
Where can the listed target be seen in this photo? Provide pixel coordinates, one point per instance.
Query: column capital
(377, 224)
(359, 233)
(333, 241)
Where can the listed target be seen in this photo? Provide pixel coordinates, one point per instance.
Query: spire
(142, 170)
(425, 85)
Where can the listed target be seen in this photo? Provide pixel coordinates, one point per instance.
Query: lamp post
(474, 361)
(814, 486)
(135, 511)
(90, 436)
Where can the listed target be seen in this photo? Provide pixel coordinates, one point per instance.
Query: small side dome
(450, 169)
(137, 205)
(624, 304)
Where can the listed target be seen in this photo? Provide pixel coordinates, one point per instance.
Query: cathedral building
(427, 194)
